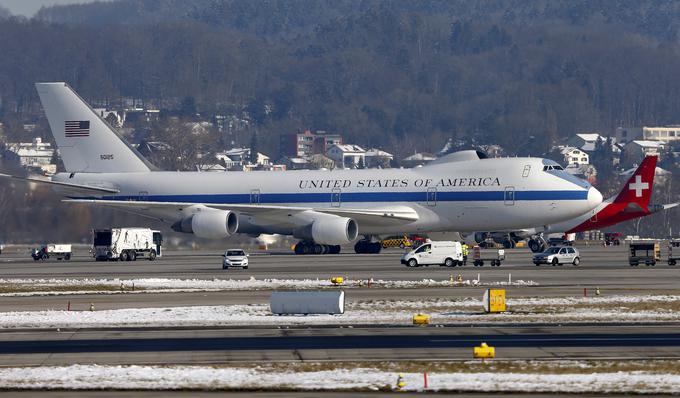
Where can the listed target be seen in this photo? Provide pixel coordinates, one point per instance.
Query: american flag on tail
(77, 128)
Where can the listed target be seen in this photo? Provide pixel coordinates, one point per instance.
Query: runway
(604, 268)
(216, 345)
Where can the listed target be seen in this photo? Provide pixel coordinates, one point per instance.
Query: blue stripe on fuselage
(364, 197)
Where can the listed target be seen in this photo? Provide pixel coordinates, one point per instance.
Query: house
(215, 167)
(347, 155)
(586, 142)
(664, 134)
(295, 163)
(636, 150)
(237, 158)
(418, 159)
(377, 158)
(306, 143)
(574, 156)
(36, 155)
(626, 134)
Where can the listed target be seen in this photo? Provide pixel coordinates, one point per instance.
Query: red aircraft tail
(637, 192)
(631, 202)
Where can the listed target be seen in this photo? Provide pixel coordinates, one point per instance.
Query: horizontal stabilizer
(65, 187)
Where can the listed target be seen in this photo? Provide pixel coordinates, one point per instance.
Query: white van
(449, 254)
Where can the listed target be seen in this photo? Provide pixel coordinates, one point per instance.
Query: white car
(235, 258)
(558, 255)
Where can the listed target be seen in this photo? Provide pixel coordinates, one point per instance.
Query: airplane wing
(65, 187)
(394, 215)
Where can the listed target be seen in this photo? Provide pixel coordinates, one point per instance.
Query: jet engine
(210, 224)
(329, 230)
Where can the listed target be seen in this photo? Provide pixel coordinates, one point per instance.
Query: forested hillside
(519, 73)
(400, 75)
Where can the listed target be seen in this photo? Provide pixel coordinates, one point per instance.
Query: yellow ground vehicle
(644, 252)
(397, 241)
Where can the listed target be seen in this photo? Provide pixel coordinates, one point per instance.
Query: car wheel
(412, 262)
(576, 261)
(537, 264)
(448, 262)
(555, 262)
(152, 255)
(123, 256)
(246, 267)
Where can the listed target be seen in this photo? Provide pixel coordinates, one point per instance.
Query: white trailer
(58, 251)
(126, 244)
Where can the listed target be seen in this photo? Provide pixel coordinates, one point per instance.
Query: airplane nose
(594, 197)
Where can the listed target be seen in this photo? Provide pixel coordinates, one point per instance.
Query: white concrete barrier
(305, 302)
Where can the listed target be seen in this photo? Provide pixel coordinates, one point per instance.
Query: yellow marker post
(337, 280)
(483, 351)
(494, 300)
(421, 319)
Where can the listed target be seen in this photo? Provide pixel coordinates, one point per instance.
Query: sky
(29, 7)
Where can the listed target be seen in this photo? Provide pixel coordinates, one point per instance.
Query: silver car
(235, 258)
(558, 255)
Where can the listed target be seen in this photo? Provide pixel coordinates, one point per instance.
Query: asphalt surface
(220, 345)
(605, 268)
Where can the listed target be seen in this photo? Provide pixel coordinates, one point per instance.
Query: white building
(240, 157)
(636, 150)
(585, 142)
(347, 155)
(664, 134)
(33, 155)
(378, 158)
(574, 156)
(418, 159)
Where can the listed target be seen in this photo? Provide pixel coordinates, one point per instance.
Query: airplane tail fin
(637, 192)
(86, 142)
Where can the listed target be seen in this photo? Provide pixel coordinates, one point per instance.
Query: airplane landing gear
(307, 247)
(537, 244)
(366, 246)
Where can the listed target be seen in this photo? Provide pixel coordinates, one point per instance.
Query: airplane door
(526, 171)
(335, 197)
(432, 196)
(255, 197)
(509, 197)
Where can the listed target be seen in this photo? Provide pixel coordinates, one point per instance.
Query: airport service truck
(52, 251)
(126, 244)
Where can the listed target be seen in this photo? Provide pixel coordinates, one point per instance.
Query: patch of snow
(164, 285)
(201, 377)
(380, 312)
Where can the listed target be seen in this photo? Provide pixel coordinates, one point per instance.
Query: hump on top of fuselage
(460, 156)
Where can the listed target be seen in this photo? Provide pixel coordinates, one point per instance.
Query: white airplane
(324, 209)
(631, 202)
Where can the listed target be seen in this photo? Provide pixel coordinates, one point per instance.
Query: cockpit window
(552, 167)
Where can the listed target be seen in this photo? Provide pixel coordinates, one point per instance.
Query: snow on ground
(453, 311)
(362, 378)
(30, 287)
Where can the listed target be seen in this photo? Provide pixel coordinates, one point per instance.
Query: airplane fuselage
(497, 194)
